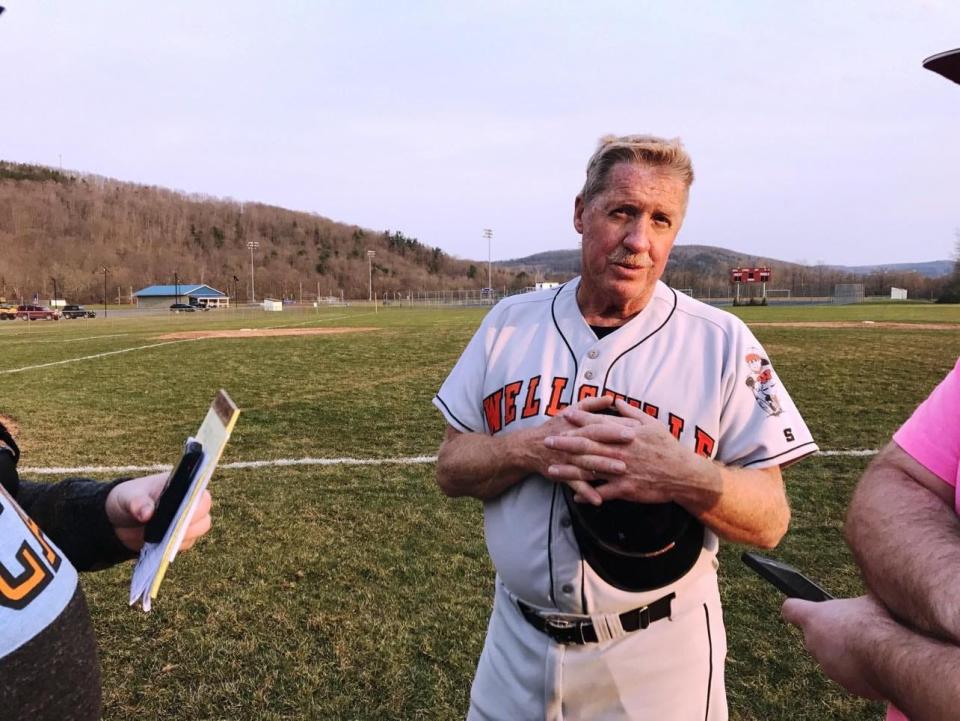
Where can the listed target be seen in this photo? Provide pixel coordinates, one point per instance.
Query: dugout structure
(847, 293)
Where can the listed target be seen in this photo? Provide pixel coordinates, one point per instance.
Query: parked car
(7, 311)
(37, 312)
(182, 308)
(77, 311)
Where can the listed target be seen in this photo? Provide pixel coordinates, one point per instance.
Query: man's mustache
(622, 256)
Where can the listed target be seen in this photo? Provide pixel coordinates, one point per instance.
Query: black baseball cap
(946, 64)
(636, 546)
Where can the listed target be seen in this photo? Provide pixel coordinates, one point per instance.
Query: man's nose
(637, 239)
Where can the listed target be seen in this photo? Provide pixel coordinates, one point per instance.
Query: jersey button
(593, 354)
(588, 375)
(567, 588)
(565, 521)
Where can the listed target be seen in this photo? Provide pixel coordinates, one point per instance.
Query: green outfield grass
(360, 592)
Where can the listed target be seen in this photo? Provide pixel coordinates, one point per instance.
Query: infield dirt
(258, 333)
(858, 324)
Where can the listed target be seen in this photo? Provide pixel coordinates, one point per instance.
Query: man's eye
(621, 212)
(662, 221)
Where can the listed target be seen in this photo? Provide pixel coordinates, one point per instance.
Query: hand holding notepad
(165, 531)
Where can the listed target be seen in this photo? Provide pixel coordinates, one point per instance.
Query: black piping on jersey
(576, 370)
(573, 395)
(583, 583)
(643, 340)
(706, 613)
(553, 501)
(789, 450)
(469, 429)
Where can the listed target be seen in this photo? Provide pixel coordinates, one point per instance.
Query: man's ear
(578, 206)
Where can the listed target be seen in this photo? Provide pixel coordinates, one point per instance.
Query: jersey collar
(577, 332)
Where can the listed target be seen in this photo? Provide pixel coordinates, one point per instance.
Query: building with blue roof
(163, 296)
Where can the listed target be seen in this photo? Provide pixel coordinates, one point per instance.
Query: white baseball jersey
(695, 368)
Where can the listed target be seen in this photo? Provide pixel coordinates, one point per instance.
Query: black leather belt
(567, 631)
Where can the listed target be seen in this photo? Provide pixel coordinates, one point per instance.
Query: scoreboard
(749, 275)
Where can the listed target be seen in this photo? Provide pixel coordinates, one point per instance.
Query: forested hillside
(68, 226)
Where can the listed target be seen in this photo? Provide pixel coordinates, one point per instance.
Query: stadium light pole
(488, 234)
(370, 255)
(252, 245)
(104, 271)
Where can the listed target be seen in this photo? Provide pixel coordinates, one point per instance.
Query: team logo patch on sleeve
(762, 382)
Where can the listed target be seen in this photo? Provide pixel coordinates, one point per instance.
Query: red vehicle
(37, 312)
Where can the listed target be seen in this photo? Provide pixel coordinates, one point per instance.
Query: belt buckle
(558, 623)
(564, 630)
(644, 616)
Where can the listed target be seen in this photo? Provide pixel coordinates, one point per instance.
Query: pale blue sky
(815, 133)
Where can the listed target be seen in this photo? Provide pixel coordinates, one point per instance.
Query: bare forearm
(481, 466)
(752, 506)
(917, 674)
(906, 540)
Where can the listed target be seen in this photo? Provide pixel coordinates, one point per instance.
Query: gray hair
(649, 150)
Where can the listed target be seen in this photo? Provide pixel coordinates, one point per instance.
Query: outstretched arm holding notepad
(49, 531)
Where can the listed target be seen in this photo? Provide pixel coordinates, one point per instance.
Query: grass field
(360, 592)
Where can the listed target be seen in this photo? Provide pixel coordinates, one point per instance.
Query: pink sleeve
(932, 435)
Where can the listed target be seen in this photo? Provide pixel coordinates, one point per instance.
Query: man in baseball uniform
(611, 431)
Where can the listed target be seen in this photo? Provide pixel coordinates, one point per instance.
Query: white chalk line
(95, 355)
(145, 347)
(67, 340)
(280, 462)
(850, 453)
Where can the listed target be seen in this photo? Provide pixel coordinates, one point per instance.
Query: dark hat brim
(637, 560)
(946, 64)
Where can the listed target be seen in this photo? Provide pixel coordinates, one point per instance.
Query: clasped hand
(636, 456)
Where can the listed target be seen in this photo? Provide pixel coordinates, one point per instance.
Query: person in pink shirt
(901, 641)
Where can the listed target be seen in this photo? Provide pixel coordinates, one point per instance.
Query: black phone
(173, 493)
(785, 577)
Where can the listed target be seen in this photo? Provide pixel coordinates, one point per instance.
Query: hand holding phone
(173, 493)
(785, 577)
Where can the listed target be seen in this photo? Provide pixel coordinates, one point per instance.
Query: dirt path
(860, 324)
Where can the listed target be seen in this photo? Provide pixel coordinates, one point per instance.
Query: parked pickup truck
(8, 312)
(37, 312)
(77, 311)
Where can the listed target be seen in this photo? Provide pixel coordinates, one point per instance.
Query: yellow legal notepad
(155, 557)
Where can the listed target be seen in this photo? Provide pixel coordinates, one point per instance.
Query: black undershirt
(602, 331)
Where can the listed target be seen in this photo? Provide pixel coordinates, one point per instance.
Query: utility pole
(55, 295)
(370, 255)
(488, 234)
(252, 245)
(104, 271)
(176, 285)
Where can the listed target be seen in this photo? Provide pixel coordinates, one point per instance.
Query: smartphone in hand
(785, 577)
(173, 493)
